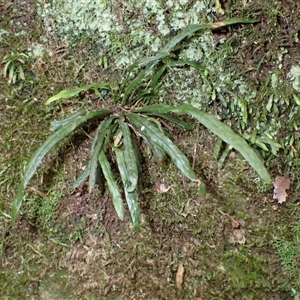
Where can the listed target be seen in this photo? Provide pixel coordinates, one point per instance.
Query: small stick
(194, 156)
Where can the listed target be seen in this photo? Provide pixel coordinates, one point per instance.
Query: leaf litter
(281, 185)
(180, 276)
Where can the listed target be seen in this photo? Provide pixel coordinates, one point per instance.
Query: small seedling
(13, 66)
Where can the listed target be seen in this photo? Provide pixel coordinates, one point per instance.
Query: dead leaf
(281, 184)
(219, 7)
(235, 224)
(237, 236)
(179, 276)
(163, 188)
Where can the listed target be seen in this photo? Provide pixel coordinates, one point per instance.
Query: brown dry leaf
(281, 184)
(179, 276)
(163, 188)
(235, 224)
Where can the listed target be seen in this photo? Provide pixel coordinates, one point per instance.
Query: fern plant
(130, 117)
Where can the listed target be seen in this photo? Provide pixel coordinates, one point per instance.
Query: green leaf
(112, 185)
(59, 123)
(38, 156)
(181, 63)
(202, 189)
(138, 155)
(218, 128)
(155, 109)
(157, 76)
(134, 210)
(226, 134)
(131, 158)
(174, 120)
(136, 82)
(157, 137)
(158, 152)
(83, 176)
(97, 146)
(187, 32)
(224, 155)
(131, 198)
(64, 94)
(217, 148)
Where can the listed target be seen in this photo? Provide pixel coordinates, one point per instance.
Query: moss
(96, 256)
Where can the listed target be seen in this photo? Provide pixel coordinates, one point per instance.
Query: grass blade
(131, 198)
(157, 137)
(131, 158)
(112, 185)
(38, 156)
(64, 94)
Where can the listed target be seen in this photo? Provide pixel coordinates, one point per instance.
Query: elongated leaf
(188, 31)
(227, 135)
(57, 136)
(5, 69)
(224, 155)
(97, 146)
(217, 148)
(138, 155)
(157, 137)
(83, 176)
(131, 159)
(112, 185)
(59, 123)
(64, 94)
(218, 128)
(181, 63)
(202, 189)
(155, 149)
(174, 120)
(157, 76)
(38, 156)
(129, 74)
(134, 209)
(157, 124)
(87, 171)
(136, 82)
(155, 109)
(131, 198)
